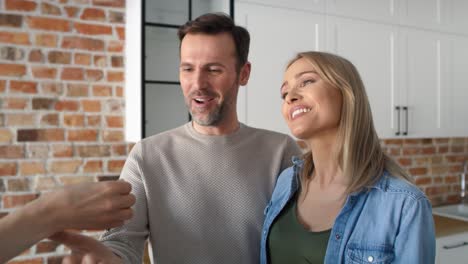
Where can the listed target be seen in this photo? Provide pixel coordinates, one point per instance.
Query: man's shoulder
(165, 136)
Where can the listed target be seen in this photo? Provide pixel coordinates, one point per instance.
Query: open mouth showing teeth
(300, 111)
(202, 101)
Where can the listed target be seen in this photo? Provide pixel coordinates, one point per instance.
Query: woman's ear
(244, 74)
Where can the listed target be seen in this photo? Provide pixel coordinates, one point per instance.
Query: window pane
(162, 54)
(164, 108)
(167, 11)
(200, 7)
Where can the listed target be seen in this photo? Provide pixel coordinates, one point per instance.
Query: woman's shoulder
(393, 185)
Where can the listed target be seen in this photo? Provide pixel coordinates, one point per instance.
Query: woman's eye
(307, 82)
(283, 95)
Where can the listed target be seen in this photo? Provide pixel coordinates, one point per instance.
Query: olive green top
(289, 241)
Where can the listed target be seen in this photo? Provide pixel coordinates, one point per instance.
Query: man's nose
(200, 79)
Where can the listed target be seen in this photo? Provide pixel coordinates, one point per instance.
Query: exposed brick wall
(61, 100)
(436, 164)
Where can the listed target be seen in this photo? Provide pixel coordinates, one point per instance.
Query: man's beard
(210, 119)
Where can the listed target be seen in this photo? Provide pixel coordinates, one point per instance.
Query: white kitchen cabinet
(457, 20)
(310, 5)
(428, 14)
(277, 34)
(424, 83)
(383, 11)
(452, 249)
(459, 86)
(371, 48)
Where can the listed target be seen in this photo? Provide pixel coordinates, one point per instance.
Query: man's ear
(244, 74)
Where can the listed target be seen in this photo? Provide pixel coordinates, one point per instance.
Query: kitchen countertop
(446, 226)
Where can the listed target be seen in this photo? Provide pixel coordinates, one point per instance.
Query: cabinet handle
(405, 108)
(398, 120)
(461, 244)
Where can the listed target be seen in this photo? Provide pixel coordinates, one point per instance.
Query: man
(82, 206)
(201, 188)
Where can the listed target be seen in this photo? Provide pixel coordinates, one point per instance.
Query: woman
(345, 201)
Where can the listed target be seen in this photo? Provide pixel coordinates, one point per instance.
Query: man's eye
(186, 69)
(214, 70)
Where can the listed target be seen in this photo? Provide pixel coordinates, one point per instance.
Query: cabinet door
(452, 249)
(428, 14)
(276, 36)
(459, 87)
(384, 11)
(425, 83)
(311, 5)
(371, 48)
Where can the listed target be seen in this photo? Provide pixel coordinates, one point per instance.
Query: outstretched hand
(85, 249)
(91, 205)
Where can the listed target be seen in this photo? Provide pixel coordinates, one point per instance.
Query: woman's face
(311, 107)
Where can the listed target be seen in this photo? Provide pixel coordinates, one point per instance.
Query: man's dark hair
(216, 23)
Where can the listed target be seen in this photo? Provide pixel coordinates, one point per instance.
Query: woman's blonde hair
(358, 150)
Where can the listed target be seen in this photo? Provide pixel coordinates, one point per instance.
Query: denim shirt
(390, 223)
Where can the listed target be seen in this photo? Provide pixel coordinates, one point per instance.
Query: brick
(423, 181)
(9, 20)
(67, 166)
(93, 151)
(18, 38)
(457, 149)
(2, 190)
(47, 40)
(115, 46)
(91, 105)
(93, 14)
(46, 247)
(93, 166)
(62, 151)
(50, 119)
(117, 61)
(43, 103)
(451, 179)
(94, 75)
(23, 87)
(115, 165)
(44, 183)
(434, 190)
(91, 29)
(82, 135)
(19, 185)
(2, 87)
(37, 151)
(13, 70)
(427, 141)
(120, 32)
(50, 24)
(109, 3)
(102, 90)
(405, 161)
(457, 141)
(31, 168)
(442, 149)
(11, 152)
(36, 56)
(100, 60)
(116, 17)
(11, 53)
(411, 151)
(75, 74)
(82, 59)
(421, 161)
(83, 43)
(11, 201)
(8, 168)
(49, 9)
(67, 105)
(20, 5)
(455, 158)
(411, 141)
(113, 76)
(93, 120)
(59, 57)
(77, 90)
(72, 11)
(73, 120)
(456, 168)
(6, 136)
(112, 136)
(44, 72)
(51, 134)
(114, 106)
(15, 103)
(21, 120)
(114, 121)
(436, 160)
(72, 180)
(418, 171)
(119, 92)
(54, 88)
(119, 150)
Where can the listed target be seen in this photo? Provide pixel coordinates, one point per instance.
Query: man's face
(209, 78)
